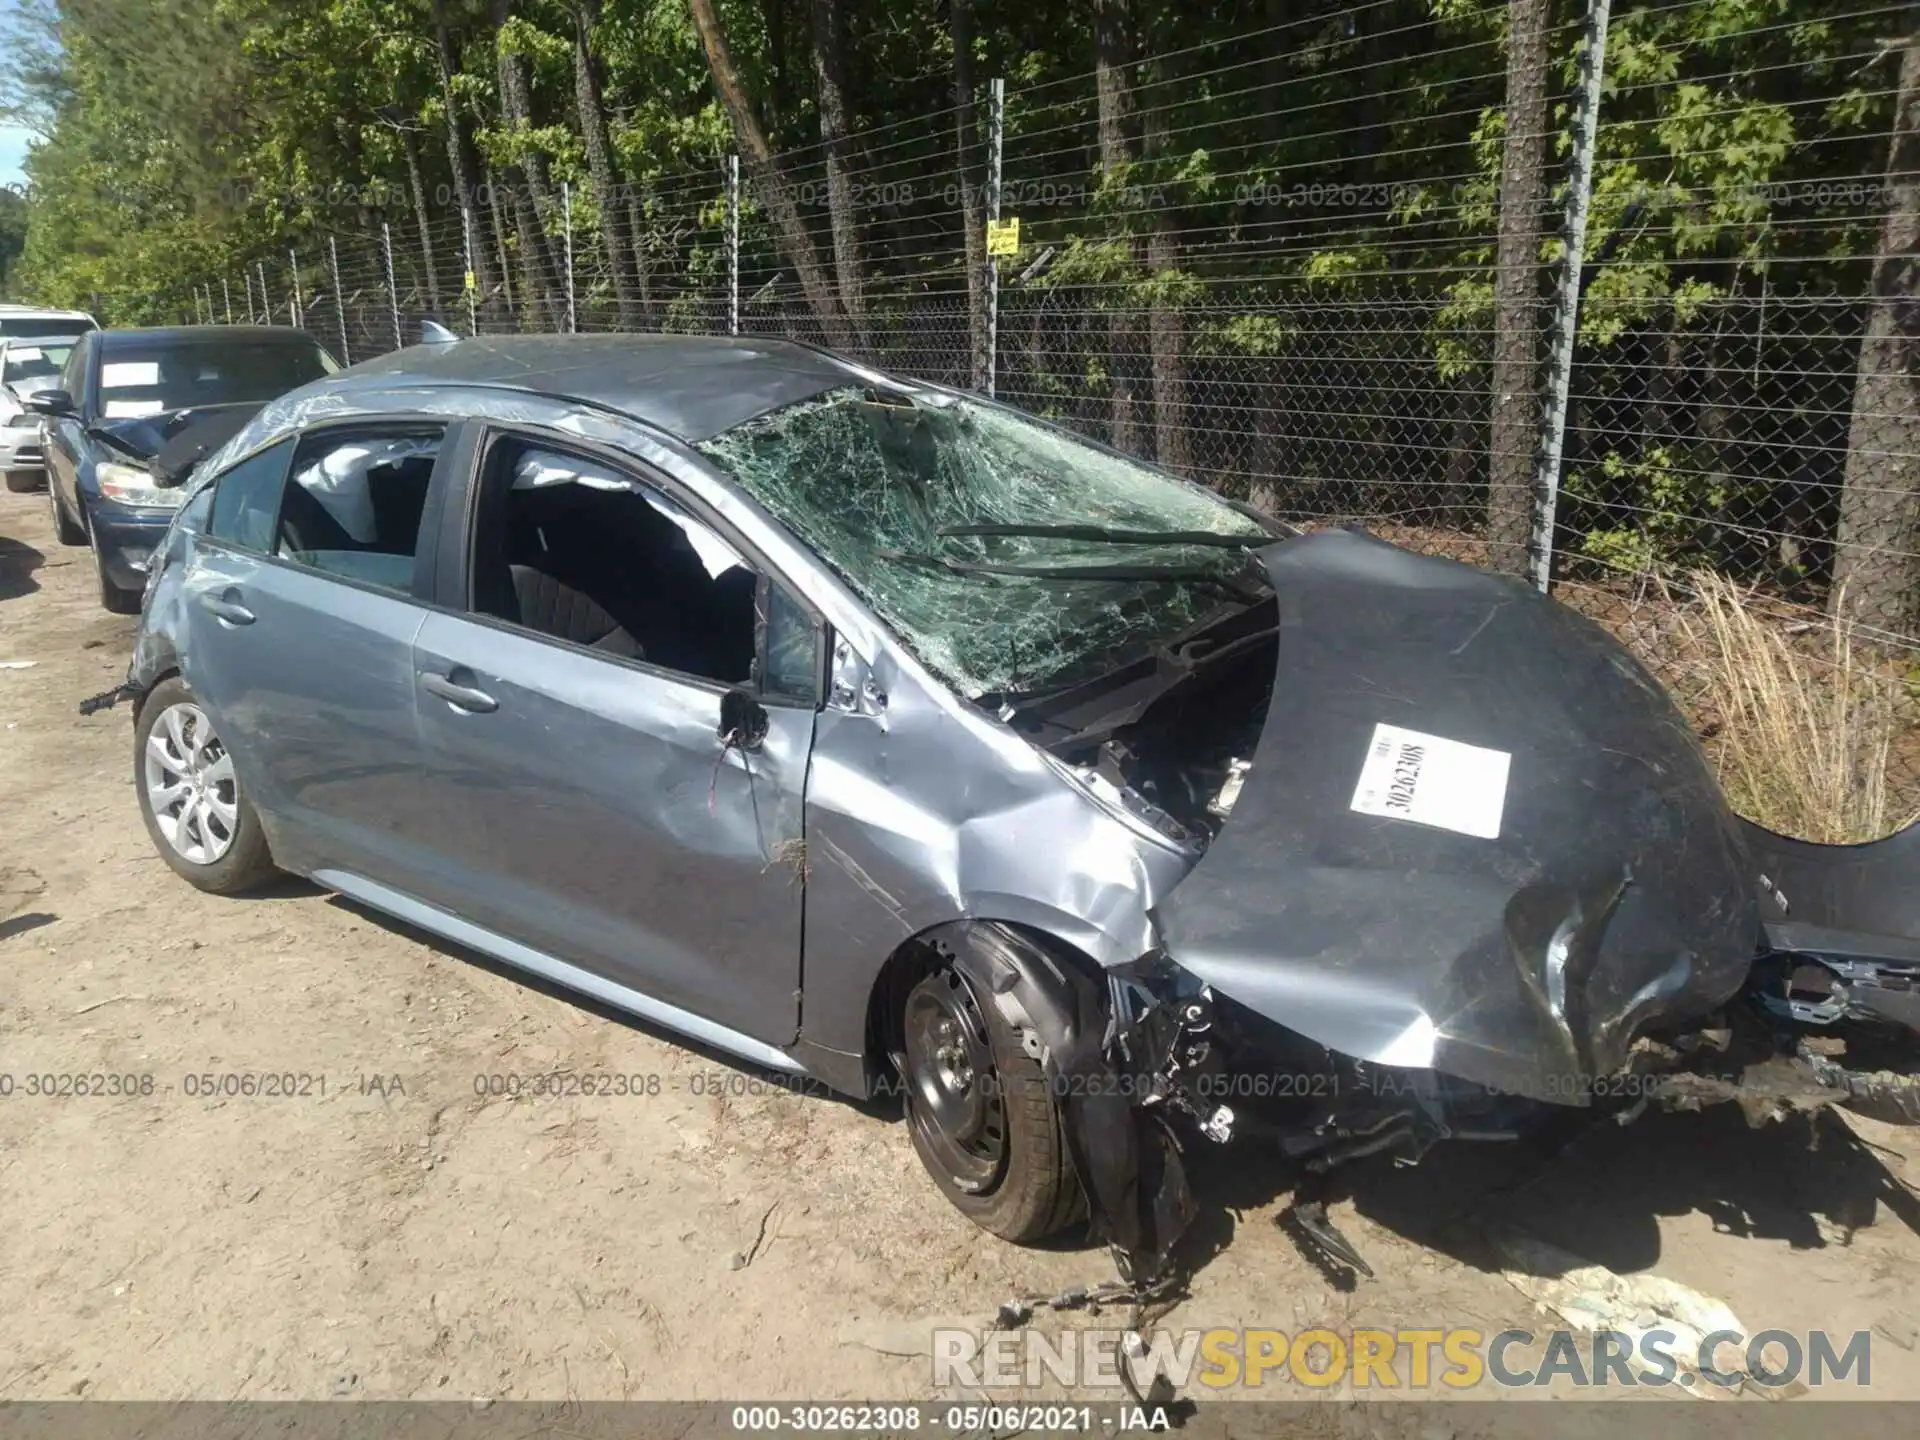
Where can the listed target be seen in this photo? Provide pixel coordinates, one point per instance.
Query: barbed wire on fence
(1250, 276)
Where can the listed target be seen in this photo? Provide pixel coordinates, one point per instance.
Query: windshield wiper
(1191, 573)
(1099, 534)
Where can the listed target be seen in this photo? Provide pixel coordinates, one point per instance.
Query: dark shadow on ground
(1601, 1191)
(1587, 1185)
(21, 924)
(18, 561)
(290, 887)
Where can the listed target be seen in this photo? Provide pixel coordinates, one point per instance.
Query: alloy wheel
(190, 784)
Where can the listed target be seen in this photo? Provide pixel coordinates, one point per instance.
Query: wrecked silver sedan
(875, 733)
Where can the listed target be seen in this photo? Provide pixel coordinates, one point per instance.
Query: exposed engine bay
(1174, 735)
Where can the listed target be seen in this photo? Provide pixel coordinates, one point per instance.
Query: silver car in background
(27, 364)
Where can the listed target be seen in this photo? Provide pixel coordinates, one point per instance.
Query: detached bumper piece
(107, 699)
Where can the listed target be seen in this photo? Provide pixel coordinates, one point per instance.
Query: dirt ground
(397, 1235)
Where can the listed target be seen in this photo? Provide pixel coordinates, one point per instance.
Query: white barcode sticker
(1432, 781)
(129, 374)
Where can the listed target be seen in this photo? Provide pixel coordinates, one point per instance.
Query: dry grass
(1804, 724)
(1812, 732)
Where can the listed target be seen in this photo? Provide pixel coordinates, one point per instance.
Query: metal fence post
(339, 300)
(393, 294)
(226, 293)
(247, 281)
(1565, 326)
(299, 314)
(996, 124)
(566, 241)
(733, 244)
(466, 260)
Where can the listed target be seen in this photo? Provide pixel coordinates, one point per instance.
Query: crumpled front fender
(1128, 1166)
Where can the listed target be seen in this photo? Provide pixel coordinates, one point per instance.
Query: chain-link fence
(1325, 266)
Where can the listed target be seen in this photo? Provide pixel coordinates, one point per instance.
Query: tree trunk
(1112, 51)
(460, 157)
(417, 182)
(1876, 566)
(606, 183)
(830, 79)
(498, 226)
(1516, 290)
(1721, 458)
(1460, 488)
(1266, 485)
(1660, 415)
(533, 199)
(972, 213)
(642, 260)
(770, 179)
(1166, 325)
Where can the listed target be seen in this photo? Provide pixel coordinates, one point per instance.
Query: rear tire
(20, 482)
(982, 1115)
(190, 796)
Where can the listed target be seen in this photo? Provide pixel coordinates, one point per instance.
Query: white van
(30, 322)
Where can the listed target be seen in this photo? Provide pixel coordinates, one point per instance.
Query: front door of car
(596, 705)
(62, 436)
(300, 613)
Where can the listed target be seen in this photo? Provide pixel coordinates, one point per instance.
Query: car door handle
(227, 609)
(461, 697)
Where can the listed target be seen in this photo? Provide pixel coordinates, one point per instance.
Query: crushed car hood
(174, 442)
(1476, 835)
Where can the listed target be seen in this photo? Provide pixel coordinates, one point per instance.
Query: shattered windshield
(893, 490)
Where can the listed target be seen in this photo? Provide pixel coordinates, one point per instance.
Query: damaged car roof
(690, 386)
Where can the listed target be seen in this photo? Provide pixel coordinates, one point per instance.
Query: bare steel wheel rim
(954, 1102)
(190, 785)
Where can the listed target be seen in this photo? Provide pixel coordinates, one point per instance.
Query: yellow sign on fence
(1003, 236)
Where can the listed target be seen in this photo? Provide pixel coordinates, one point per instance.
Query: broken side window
(354, 505)
(579, 550)
(246, 498)
(894, 491)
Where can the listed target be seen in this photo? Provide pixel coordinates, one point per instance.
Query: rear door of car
(302, 599)
(623, 812)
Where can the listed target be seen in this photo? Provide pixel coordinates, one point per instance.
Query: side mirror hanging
(743, 720)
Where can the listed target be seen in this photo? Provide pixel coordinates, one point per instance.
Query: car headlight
(126, 485)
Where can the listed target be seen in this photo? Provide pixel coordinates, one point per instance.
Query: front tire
(118, 601)
(190, 796)
(982, 1115)
(20, 482)
(68, 532)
